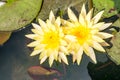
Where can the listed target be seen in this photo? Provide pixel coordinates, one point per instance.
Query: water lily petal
(98, 25)
(89, 16)
(52, 17)
(104, 35)
(36, 31)
(98, 39)
(43, 59)
(63, 42)
(58, 21)
(97, 17)
(42, 23)
(50, 26)
(55, 54)
(82, 16)
(31, 36)
(79, 55)
(63, 57)
(92, 55)
(67, 23)
(43, 54)
(36, 26)
(72, 15)
(104, 44)
(104, 26)
(64, 49)
(33, 44)
(98, 47)
(51, 59)
(35, 52)
(70, 38)
(85, 48)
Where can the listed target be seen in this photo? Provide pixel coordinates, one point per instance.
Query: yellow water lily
(49, 40)
(85, 34)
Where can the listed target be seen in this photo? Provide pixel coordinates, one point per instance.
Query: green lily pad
(10, 1)
(117, 23)
(17, 14)
(114, 52)
(111, 7)
(55, 5)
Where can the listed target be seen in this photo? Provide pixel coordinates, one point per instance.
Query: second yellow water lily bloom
(86, 34)
(49, 40)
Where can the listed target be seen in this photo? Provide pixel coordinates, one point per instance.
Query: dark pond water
(15, 61)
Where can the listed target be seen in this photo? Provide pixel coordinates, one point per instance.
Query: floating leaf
(18, 14)
(111, 7)
(4, 36)
(10, 1)
(114, 52)
(55, 5)
(117, 23)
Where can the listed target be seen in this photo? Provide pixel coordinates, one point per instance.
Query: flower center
(82, 34)
(51, 39)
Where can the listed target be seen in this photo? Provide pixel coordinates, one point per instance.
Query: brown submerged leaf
(43, 73)
(4, 36)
